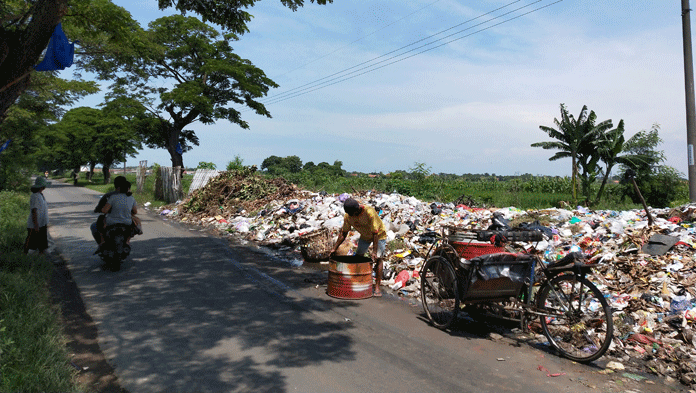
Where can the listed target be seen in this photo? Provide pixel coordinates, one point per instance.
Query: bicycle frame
(578, 271)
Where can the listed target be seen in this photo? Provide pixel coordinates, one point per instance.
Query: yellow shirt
(367, 223)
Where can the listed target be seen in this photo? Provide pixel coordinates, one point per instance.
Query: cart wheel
(439, 292)
(578, 320)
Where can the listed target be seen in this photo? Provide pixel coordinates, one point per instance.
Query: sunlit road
(188, 312)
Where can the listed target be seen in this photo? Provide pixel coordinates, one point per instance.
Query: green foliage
(576, 138)
(33, 355)
(206, 165)
(202, 75)
(39, 106)
(236, 164)
(663, 186)
(230, 14)
(87, 135)
(281, 166)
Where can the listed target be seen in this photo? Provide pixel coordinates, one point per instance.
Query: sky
(472, 105)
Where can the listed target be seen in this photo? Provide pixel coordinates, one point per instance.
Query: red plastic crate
(468, 250)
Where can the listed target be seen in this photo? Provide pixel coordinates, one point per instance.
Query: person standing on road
(37, 223)
(366, 221)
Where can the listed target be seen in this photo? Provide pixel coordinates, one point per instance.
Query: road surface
(190, 311)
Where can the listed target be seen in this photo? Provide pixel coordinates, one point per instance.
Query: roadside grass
(33, 352)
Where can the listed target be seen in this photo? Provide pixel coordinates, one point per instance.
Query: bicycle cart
(572, 313)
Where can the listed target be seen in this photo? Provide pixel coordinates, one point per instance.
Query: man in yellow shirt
(366, 221)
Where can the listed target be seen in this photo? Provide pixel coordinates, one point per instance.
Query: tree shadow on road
(185, 315)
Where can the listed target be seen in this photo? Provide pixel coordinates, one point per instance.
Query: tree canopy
(26, 27)
(87, 135)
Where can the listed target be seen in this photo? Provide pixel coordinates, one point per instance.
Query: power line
(357, 73)
(360, 38)
(293, 90)
(345, 77)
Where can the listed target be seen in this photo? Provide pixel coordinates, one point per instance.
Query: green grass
(33, 354)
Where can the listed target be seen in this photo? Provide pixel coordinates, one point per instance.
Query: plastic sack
(59, 53)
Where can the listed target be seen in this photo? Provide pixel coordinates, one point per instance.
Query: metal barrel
(350, 277)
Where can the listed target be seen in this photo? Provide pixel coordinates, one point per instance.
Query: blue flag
(179, 149)
(59, 53)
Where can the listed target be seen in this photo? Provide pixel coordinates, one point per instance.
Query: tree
(236, 164)
(203, 74)
(572, 137)
(38, 107)
(277, 166)
(206, 165)
(87, 135)
(659, 184)
(26, 27)
(589, 152)
(270, 163)
(610, 149)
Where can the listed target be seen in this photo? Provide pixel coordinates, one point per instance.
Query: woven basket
(316, 246)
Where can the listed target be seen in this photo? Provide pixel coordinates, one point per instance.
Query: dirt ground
(95, 373)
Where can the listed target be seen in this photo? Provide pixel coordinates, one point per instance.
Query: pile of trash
(648, 271)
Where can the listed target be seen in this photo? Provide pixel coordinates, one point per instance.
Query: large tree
(188, 72)
(26, 27)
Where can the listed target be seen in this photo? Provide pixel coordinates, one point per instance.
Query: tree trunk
(107, 175)
(22, 49)
(574, 182)
(604, 183)
(91, 170)
(172, 142)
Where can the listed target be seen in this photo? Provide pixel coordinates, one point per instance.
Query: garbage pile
(648, 272)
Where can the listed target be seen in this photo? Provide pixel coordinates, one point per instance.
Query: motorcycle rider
(98, 226)
(121, 208)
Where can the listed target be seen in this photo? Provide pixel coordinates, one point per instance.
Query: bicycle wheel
(448, 252)
(578, 321)
(439, 292)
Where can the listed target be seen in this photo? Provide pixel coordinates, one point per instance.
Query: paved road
(191, 312)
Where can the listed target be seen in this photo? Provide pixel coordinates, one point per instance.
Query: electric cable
(291, 91)
(357, 73)
(359, 39)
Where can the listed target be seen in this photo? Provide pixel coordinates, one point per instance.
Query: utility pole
(689, 81)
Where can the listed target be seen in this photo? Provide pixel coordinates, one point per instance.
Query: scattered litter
(615, 366)
(648, 272)
(548, 373)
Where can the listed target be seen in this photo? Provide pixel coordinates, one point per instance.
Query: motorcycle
(115, 248)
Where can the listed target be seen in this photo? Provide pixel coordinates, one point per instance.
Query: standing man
(366, 221)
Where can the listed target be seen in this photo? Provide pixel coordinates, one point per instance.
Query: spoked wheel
(439, 292)
(578, 321)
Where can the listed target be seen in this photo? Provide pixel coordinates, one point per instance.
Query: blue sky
(471, 106)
